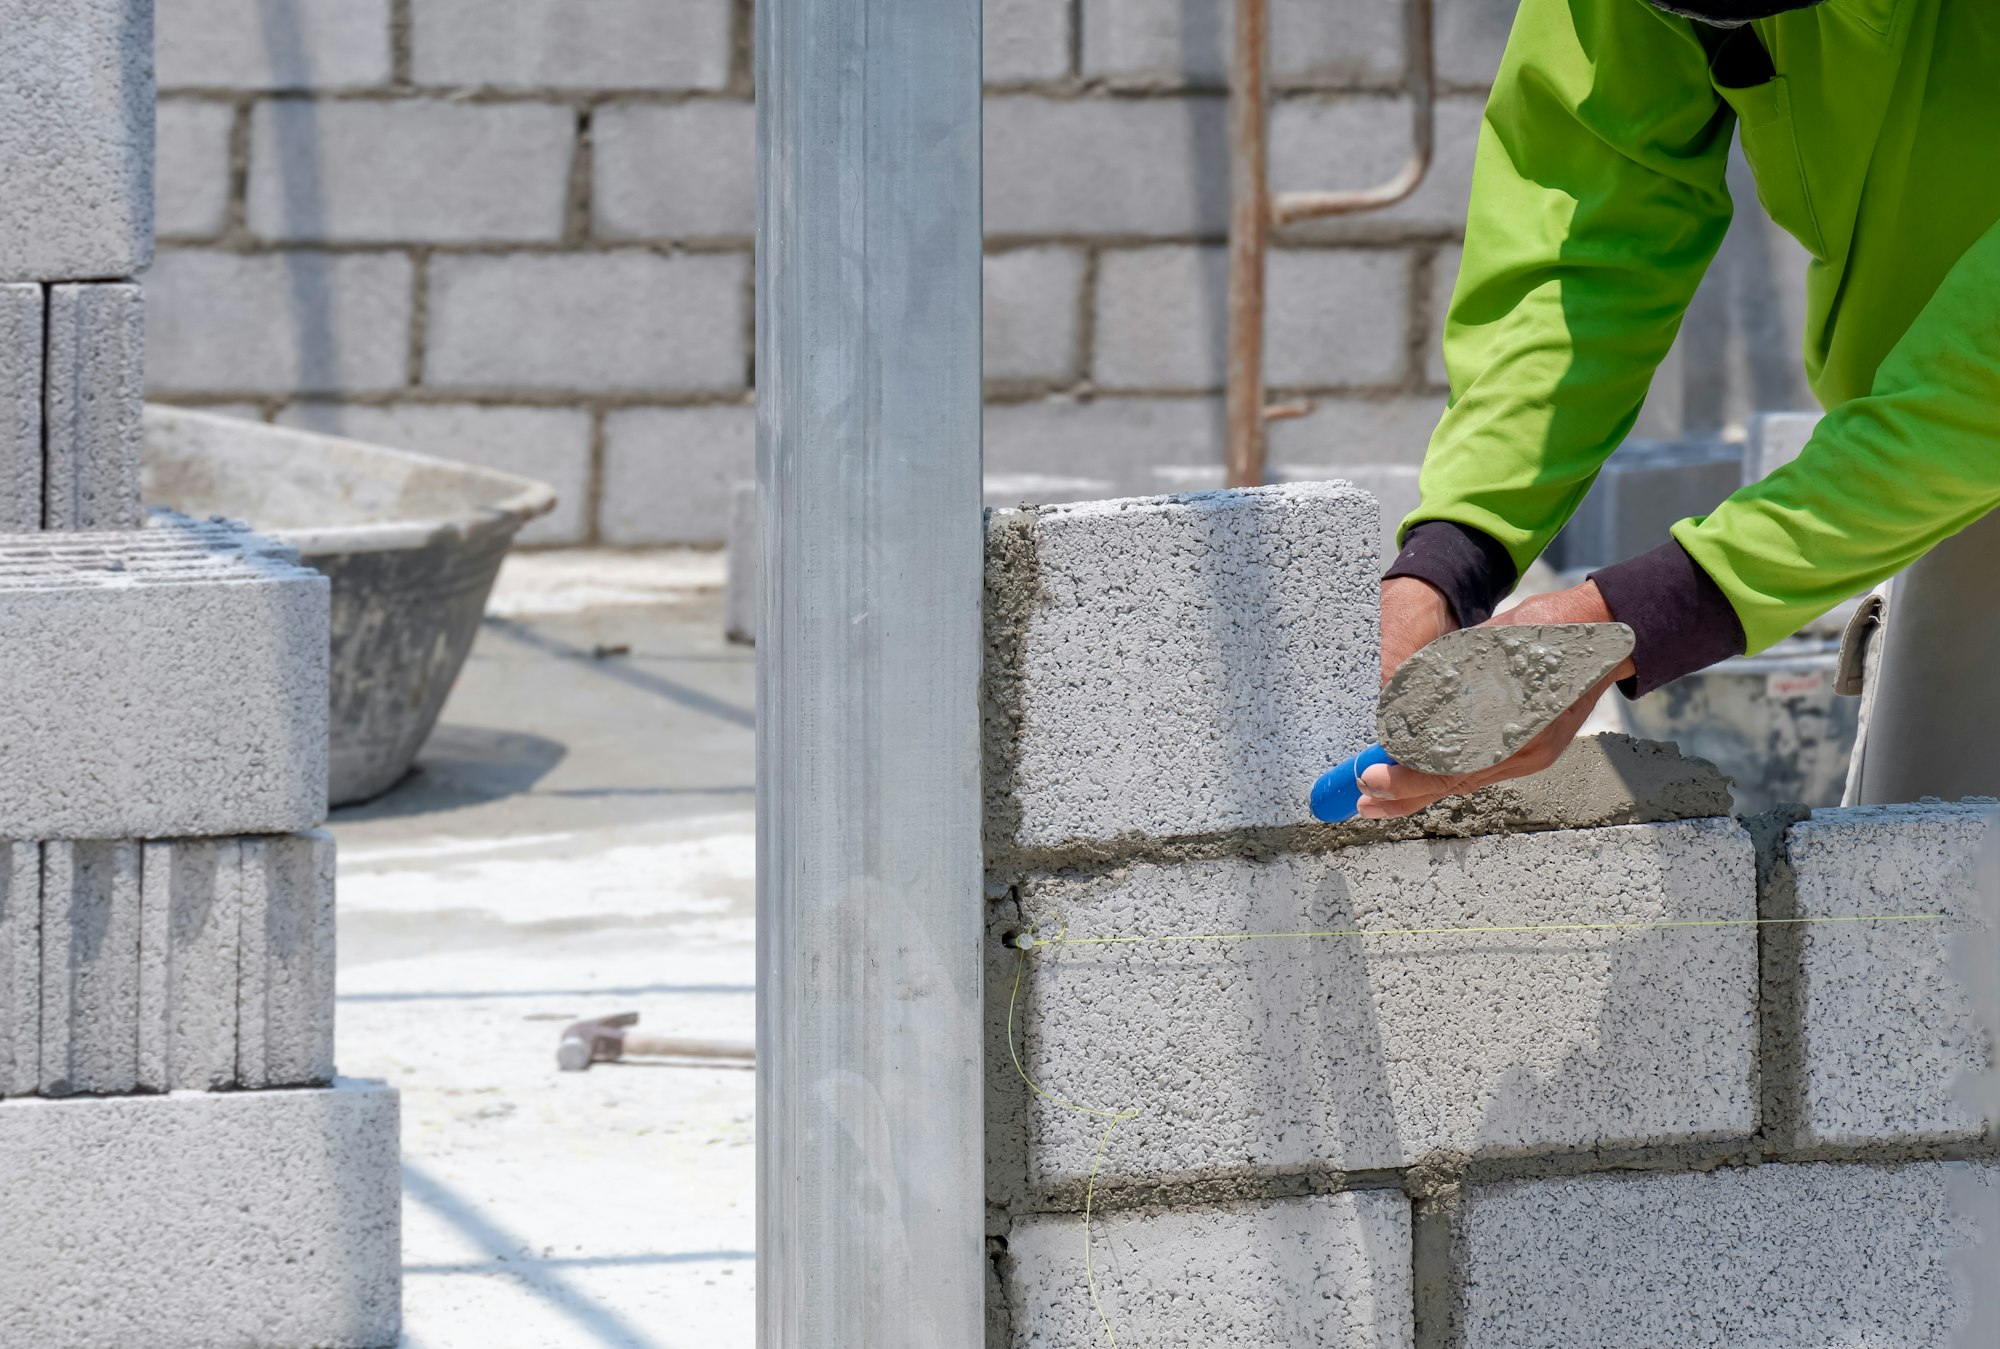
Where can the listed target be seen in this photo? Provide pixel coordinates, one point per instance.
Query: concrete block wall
(1641, 1104)
(519, 232)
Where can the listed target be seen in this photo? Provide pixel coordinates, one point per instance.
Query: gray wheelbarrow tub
(410, 544)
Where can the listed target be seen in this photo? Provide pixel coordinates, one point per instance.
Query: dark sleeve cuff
(1680, 617)
(1467, 566)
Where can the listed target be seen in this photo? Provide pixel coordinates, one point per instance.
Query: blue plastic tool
(1337, 794)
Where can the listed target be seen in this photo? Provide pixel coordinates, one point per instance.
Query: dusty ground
(577, 842)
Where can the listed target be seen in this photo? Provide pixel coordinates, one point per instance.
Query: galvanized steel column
(870, 1208)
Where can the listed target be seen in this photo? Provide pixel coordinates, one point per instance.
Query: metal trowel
(1473, 698)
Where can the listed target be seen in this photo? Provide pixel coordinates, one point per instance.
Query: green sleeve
(1885, 476)
(1597, 202)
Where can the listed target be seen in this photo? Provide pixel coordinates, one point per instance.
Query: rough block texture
(90, 968)
(253, 44)
(668, 472)
(687, 170)
(191, 905)
(584, 44)
(161, 683)
(1128, 166)
(1026, 40)
(96, 390)
(22, 335)
(1332, 1270)
(285, 1004)
(1887, 1026)
(551, 445)
(459, 173)
(20, 969)
(608, 321)
(238, 323)
(1175, 665)
(76, 138)
(1033, 321)
(1856, 1256)
(256, 1219)
(193, 196)
(1342, 42)
(1359, 1053)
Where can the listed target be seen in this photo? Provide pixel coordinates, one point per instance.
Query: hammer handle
(640, 1045)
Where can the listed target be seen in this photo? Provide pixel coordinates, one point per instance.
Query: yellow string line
(1476, 931)
(1114, 1118)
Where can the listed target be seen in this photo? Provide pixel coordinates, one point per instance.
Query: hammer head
(597, 1040)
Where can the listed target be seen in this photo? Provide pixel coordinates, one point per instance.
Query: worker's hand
(1414, 615)
(1393, 790)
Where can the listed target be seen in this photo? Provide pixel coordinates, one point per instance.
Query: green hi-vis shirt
(1597, 203)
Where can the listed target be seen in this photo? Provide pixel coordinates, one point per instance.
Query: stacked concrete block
(22, 316)
(96, 382)
(76, 139)
(1887, 1033)
(1176, 665)
(202, 1219)
(1330, 1270)
(1776, 438)
(1642, 491)
(20, 969)
(1804, 1255)
(1365, 1053)
(164, 682)
(90, 968)
(285, 994)
(191, 922)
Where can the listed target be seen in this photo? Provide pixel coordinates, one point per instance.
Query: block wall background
(519, 232)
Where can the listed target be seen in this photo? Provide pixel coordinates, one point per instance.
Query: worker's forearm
(1884, 478)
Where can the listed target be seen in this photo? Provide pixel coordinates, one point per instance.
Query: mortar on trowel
(1472, 698)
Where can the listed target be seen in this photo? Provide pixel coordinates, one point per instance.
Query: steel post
(869, 1107)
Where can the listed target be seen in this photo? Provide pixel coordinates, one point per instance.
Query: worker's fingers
(1395, 782)
(1369, 808)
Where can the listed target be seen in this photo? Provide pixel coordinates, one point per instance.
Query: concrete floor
(578, 841)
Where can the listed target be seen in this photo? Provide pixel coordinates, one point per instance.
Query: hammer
(604, 1040)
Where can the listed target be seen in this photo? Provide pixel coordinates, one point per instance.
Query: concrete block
(253, 44)
(20, 969)
(237, 324)
(1331, 1270)
(161, 683)
(1856, 1256)
(683, 170)
(1776, 438)
(191, 903)
(1175, 665)
(668, 472)
(1444, 276)
(1025, 40)
(1644, 488)
(203, 1219)
(1352, 430)
(90, 968)
(1471, 35)
(551, 445)
(1363, 1053)
(96, 382)
(23, 333)
(1336, 317)
(597, 322)
(1362, 139)
(1033, 315)
(574, 44)
(1887, 1026)
(1131, 167)
(461, 173)
(1333, 319)
(76, 139)
(285, 1003)
(193, 196)
(1340, 42)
